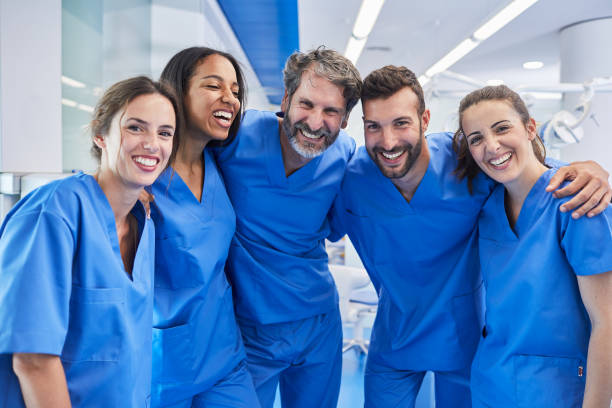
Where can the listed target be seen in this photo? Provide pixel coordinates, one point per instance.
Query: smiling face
(139, 142)
(499, 141)
(314, 115)
(394, 132)
(211, 101)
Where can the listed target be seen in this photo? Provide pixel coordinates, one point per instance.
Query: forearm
(42, 380)
(598, 391)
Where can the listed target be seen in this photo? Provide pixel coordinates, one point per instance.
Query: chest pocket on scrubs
(543, 382)
(96, 328)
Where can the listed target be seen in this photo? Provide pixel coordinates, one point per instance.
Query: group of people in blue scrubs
(242, 301)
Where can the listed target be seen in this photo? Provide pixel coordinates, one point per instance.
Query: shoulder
(344, 146)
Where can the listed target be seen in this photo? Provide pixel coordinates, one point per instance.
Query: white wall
(30, 90)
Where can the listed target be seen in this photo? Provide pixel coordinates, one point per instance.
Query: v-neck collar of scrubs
(107, 214)
(181, 192)
(276, 165)
(419, 198)
(528, 210)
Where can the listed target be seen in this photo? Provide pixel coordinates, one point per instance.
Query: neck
(518, 189)
(120, 196)
(190, 151)
(408, 184)
(291, 159)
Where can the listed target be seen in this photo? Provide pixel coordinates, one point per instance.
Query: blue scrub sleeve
(336, 221)
(554, 163)
(36, 253)
(587, 243)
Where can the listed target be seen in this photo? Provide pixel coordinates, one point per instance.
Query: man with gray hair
(282, 173)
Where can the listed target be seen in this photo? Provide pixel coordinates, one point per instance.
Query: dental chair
(358, 304)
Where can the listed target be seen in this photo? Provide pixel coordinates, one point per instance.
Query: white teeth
(392, 156)
(309, 135)
(222, 114)
(501, 160)
(145, 162)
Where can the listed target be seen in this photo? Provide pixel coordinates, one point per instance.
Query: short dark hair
(118, 96)
(388, 80)
(466, 166)
(180, 69)
(329, 64)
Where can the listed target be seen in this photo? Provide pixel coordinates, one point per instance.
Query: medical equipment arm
(596, 292)
(42, 380)
(589, 183)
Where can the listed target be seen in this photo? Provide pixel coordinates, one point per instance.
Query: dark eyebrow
(142, 122)
(408, 118)
(473, 133)
(497, 123)
(218, 77)
(145, 123)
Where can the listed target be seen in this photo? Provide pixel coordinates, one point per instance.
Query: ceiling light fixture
(495, 82)
(72, 82)
(366, 18)
(507, 14)
(533, 65)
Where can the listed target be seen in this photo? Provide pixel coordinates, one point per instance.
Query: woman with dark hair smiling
(198, 354)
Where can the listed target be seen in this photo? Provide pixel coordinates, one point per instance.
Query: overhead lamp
(72, 82)
(354, 48)
(453, 56)
(366, 18)
(533, 65)
(495, 82)
(507, 14)
(69, 102)
(85, 108)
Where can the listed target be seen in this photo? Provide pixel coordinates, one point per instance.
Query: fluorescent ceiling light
(509, 13)
(453, 56)
(85, 108)
(423, 79)
(69, 102)
(368, 13)
(72, 82)
(495, 82)
(354, 48)
(533, 65)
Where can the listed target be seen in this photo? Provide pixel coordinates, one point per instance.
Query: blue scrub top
(64, 291)
(422, 257)
(277, 261)
(196, 341)
(536, 324)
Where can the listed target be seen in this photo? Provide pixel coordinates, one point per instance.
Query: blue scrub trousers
(236, 391)
(387, 387)
(304, 357)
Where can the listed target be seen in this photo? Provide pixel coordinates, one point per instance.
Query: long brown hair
(466, 166)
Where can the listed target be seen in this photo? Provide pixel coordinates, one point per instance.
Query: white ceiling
(418, 33)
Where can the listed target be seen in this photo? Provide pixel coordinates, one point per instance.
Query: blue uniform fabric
(196, 340)
(64, 291)
(422, 257)
(277, 261)
(537, 329)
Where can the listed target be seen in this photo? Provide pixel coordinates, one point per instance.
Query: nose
(315, 120)
(491, 143)
(388, 139)
(151, 143)
(229, 97)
